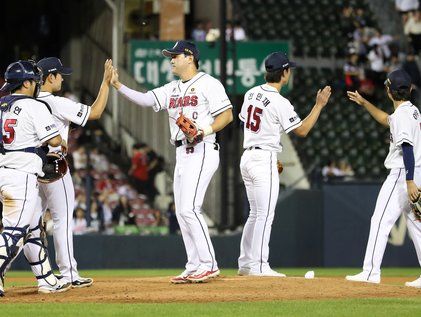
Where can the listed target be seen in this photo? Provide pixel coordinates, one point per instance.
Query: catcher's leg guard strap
(12, 238)
(38, 257)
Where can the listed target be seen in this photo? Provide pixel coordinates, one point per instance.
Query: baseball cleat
(182, 278)
(268, 273)
(243, 271)
(363, 277)
(59, 288)
(203, 275)
(82, 282)
(416, 283)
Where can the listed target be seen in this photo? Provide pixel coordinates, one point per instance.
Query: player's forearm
(142, 99)
(222, 120)
(100, 102)
(56, 141)
(309, 121)
(379, 115)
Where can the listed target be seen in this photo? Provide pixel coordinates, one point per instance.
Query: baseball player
(266, 116)
(59, 196)
(400, 187)
(202, 98)
(25, 125)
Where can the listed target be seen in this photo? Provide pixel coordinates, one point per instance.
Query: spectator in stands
(106, 211)
(212, 34)
(238, 32)
(139, 168)
(378, 68)
(79, 223)
(122, 211)
(410, 65)
(353, 71)
(99, 161)
(381, 41)
(412, 29)
(404, 7)
(199, 33)
(346, 170)
(80, 159)
(159, 219)
(330, 171)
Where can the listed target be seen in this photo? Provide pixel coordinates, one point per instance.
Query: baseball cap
(50, 65)
(398, 79)
(277, 61)
(182, 47)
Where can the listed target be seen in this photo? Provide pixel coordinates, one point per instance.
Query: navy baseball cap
(51, 65)
(182, 47)
(398, 79)
(278, 61)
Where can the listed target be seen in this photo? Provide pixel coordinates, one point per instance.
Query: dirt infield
(222, 289)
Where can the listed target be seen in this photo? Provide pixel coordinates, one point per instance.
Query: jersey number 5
(253, 118)
(9, 136)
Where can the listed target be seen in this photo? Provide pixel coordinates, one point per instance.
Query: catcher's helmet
(17, 72)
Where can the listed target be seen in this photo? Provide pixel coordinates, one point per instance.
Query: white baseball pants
(193, 172)
(59, 198)
(391, 203)
(261, 178)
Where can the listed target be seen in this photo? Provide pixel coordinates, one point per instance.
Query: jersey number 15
(9, 130)
(253, 118)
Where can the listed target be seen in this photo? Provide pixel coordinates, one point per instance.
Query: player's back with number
(266, 114)
(405, 126)
(28, 123)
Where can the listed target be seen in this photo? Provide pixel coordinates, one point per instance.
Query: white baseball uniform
(266, 115)
(26, 125)
(59, 196)
(202, 98)
(405, 126)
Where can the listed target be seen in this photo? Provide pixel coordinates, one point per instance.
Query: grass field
(407, 306)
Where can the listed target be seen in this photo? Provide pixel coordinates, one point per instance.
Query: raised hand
(356, 97)
(323, 96)
(114, 79)
(108, 71)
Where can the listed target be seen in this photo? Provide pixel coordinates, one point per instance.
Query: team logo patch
(416, 114)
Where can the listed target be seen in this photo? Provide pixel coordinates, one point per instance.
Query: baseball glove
(192, 132)
(54, 168)
(416, 208)
(280, 167)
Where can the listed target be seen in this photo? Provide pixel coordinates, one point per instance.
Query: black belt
(254, 148)
(179, 143)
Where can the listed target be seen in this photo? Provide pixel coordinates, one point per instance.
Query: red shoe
(181, 279)
(202, 275)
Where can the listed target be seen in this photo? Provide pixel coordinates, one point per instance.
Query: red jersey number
(253, 118)
(9, 130)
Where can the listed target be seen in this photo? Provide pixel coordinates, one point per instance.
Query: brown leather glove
(280, 166)
(192, 132)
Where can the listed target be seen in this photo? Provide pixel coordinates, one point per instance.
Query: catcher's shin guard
(11, 241)
(36, 254)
